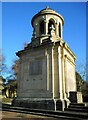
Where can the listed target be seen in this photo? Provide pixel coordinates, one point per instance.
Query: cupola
(47, 23)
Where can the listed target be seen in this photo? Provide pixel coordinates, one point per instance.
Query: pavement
(6, 115)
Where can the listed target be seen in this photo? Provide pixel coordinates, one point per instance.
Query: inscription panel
(35, 67)
(37, 75)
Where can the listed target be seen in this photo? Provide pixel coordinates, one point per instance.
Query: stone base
(67, 102)
(48, 104)
(76, 97)
(60, 105)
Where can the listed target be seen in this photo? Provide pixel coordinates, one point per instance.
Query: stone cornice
(34, 48)
(48, 43)
(69, 50)
(68, 58)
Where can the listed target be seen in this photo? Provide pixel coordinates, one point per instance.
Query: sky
(17, 29)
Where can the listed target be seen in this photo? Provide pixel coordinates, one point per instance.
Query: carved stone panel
(35, 67)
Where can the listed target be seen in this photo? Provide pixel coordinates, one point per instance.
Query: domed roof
(47, 10)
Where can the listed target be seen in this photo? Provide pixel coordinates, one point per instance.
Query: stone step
(77, 110)
(60, 117)
(78, 107)
(66, 114)
(77, 104)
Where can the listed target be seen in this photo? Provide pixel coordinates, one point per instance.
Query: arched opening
(51, 22)
(41, 28)
(59, 30)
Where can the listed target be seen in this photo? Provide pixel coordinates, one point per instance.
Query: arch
(50, 23)
(41, 27)
(59, 30)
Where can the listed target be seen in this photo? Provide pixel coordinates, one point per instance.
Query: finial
(47, 7)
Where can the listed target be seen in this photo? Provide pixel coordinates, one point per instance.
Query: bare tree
(3, 67)
(15, 68)
(82, 79)
(81, 69)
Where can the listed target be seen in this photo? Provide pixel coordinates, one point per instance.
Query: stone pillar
(56, 76)
(37, 29)
(53, 72)
(57, 29)
(60, 74)
(47, 62)
(65, 93)
(65, 70)
(63, 73)
(45, 27)
(66, 82)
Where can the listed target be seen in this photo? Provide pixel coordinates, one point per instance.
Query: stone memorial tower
(47, 65)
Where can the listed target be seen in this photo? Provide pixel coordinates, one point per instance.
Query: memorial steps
(77, 107)
(73, 114)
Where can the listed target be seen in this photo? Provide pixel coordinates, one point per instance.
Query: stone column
(47, 62)
(37, 29)
(63, 73)
(66, 88)
(60, 73)
(53, 72)
(56, 72)
(45, 27)
(66, 82)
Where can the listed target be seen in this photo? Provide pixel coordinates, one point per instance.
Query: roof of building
(47, 10)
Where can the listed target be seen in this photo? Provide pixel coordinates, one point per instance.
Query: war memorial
(46, 78)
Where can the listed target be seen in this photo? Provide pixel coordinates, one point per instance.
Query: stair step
(57, 113)
(69, 113)
(78, 107)
(76, 110)
(61, 117)
(77, 104)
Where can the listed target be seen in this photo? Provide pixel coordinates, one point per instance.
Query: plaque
(35, 67)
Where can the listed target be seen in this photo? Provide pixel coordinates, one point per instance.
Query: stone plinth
(48, 104)
(76, 97)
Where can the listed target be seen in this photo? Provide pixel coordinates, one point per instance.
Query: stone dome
(45, 11)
